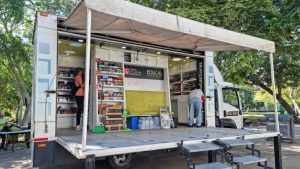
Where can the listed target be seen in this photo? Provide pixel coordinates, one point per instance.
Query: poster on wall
(143, 72)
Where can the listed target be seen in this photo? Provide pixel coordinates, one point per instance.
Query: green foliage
(15, 61)
(16, 30)
(275, 20)
(55, 7)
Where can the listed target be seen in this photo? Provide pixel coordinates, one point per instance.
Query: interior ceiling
(183, 60)
(64, 45)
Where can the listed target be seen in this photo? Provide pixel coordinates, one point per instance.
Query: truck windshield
(230, 96)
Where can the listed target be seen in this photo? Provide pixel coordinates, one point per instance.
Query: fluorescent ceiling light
(75, 44)
(80, 40)
(176, 59)
(187, 57)
(123, 47)
(158, 52)
(69, 52)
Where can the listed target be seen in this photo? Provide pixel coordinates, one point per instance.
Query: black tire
(123, 161)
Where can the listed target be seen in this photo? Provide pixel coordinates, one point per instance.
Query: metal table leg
(90, 162)
(277, 152)
(5, 142)
(211, 156)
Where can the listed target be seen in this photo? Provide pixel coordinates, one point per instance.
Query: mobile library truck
(139, 63)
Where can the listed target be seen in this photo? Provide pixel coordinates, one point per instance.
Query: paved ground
(20, 159)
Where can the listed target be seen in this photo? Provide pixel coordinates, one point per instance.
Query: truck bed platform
(108, 144)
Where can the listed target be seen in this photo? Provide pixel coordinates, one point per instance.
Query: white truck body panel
(45, 64)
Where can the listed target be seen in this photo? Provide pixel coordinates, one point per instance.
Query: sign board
(143, 72)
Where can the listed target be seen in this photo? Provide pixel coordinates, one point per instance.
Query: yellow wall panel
(144, 102)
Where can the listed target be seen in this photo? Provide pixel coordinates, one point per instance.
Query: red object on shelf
(126, 71)
(97, 72)
(119, 78)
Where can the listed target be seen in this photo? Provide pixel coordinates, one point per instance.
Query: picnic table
(11, 137)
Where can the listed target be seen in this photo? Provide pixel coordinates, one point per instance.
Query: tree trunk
(280, 99)
(27, 115)
(20, 110)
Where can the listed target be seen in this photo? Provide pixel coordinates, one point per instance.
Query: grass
(255, 115)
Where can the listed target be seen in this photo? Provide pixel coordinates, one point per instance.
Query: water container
(143, 123)
(151, 126)
(156, 122)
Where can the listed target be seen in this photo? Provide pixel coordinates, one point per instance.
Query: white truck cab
(228, 107)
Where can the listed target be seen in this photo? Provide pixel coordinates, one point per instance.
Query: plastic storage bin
(98, 129)
(133, 122)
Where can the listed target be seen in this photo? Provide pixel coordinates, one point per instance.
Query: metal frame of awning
(128, 10)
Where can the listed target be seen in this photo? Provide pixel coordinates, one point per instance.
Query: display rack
(110, 94)
(183, 83)
(175, 84)
(65, 99)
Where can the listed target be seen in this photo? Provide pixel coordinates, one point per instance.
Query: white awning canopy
(126, 20)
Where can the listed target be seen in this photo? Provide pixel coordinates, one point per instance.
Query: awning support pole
(274, 93)
(87, 77)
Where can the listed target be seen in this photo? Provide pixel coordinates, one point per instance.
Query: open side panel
(44, 79)
(209, 91)
(44, 76)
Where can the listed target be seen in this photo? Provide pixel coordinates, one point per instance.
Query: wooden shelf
(174, 83)
(109, 86)
(62, 77)
(142, 115)
(110, 73)
(113, 119)
(66, 102)
(190, 80)
(114, 125)
(66, 115)
(64, 90)
(111, 101)
(115, 82)
(175, 92)
(112, 67)
(114, 114)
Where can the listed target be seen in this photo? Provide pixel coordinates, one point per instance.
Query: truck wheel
(123, 161)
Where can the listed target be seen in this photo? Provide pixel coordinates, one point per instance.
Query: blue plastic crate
(133, 122)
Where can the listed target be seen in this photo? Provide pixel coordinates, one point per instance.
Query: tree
(16, 32)
(15, 61)
(274, 20)
(277, 21)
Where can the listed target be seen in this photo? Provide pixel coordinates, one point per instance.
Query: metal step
(249, 159)
(215, 165)
(200, 147)
(234, 142)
